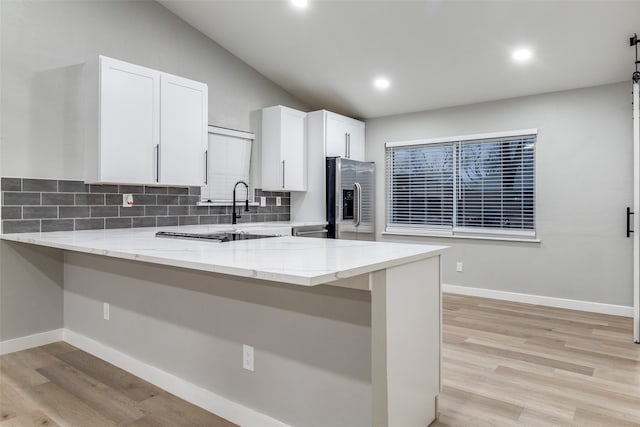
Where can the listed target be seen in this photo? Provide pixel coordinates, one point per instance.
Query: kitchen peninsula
(346, 333)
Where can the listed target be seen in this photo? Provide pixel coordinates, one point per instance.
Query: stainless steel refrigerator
(350, 199)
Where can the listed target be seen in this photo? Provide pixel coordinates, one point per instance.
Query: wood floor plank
(171, 411)
(100, 397)
(129, 385)
(65, 409)
(30, 419)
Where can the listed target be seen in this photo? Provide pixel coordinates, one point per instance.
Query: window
(229, 161)
(475, 185)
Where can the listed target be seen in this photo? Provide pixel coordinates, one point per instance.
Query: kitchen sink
(216, 237)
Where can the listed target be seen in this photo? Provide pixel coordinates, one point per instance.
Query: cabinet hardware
(283, 174)
(629, 213)
(157, 162)
(346, 145)
(358, 200)
(206, 169)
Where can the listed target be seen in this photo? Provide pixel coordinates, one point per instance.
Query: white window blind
(229, 161)
(465, 186)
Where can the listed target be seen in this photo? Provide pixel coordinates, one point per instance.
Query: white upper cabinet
(129, 122)
(183, 131)
(344, 137)
(284, 149)
(150, 127)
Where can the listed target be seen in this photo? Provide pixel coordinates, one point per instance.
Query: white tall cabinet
(284, 149)
(328, 135)
(149, 127)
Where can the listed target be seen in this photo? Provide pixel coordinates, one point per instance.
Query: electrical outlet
(247, 357)
(278, 201)
(105, 311)
(263, 201)
(459, 266)
(127, 200)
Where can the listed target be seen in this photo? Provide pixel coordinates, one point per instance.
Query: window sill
(448, 236)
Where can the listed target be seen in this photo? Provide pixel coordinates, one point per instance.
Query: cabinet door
(336, 134)
(129, 122)
(294, 151)
(284, 149)
(355, 138)
(183, 131)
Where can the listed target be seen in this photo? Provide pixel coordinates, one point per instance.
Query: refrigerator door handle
(358, 211)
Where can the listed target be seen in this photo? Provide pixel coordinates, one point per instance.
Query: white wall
(45, 46)
(584, 182)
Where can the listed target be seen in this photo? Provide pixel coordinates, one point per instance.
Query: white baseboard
(571, 304)
(192, 393)
(30, 341)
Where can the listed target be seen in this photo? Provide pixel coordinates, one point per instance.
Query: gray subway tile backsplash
(156, 210)
(39, 212)
(102, 188)
(10, 198)
(89, 224)
(117, 223)
(132, 211)
(11, 212)
(168, 200)
(167, 221)
(104, 211)
(178, 210)
(39, 185)
(144, 221)
(32, 205)
(155, 190)
(72, 187)
(178, 190)
(11, 184)
(73, 211)
(188, 220)
(132, 189)
(58, 198)
(21, 226)
(57, 225)
(89, 199)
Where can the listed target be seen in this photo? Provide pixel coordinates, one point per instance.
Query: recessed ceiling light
(522, 54)
(381, 83)
(300, 3)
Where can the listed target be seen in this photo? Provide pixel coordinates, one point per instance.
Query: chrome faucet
(235, 216)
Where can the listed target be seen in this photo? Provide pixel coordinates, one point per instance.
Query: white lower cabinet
(149, 127)
(284, 149)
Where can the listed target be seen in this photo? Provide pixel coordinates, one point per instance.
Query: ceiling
(435, 53)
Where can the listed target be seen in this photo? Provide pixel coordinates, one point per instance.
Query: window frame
(455, 231)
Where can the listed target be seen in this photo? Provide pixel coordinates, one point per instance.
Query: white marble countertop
(296, 260)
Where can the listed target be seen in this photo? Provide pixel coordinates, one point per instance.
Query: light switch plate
(278, 201)
(263, 201)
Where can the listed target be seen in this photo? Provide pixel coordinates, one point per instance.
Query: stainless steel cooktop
(216, 237)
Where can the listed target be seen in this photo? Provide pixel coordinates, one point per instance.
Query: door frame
(636, 210)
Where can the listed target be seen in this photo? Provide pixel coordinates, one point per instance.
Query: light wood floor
(508, 364)
(59, 385)
(505, 364)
